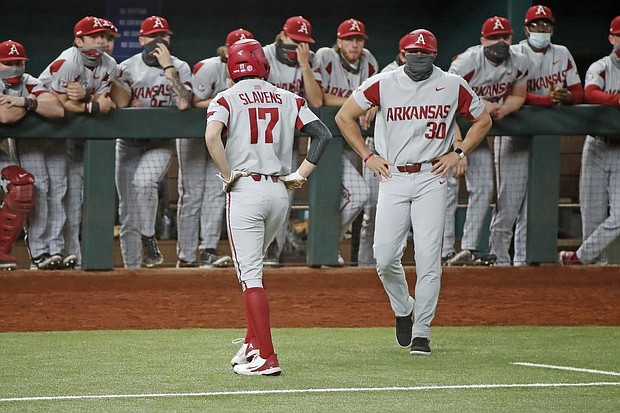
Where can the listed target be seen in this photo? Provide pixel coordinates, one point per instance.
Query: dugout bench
(545, 125)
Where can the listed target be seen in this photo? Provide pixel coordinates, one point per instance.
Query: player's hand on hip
(380, 167)
(293, 180)
(230, 181)
(75, 91)
(445, 163)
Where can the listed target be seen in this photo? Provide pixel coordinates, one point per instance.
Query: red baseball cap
(90, 25)
(351, 27)
(111, 27)
(298, 29)
(496, 25)
(614, 27)
(538, 12)
(153, 25)
(420, 39)
(11, 51)
(238, 35)
(405, 40)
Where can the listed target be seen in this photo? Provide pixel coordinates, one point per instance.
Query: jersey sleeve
(316, 69)
(521, 64)
(469, 104)
(219, 110)
(204, 79)
(34, 85)
(572, 76)
(462, 65)
(185, 74)
(368, 93)
(304, 114)
(63, 73)
(595, 86)
(125, 74)
(321, 59)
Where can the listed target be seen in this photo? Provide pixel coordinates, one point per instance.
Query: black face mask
(147, 53)
(347, 66)
(287, 54)
(497, 52)
(419, 66)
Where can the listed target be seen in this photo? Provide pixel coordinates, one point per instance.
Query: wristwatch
(459, 152)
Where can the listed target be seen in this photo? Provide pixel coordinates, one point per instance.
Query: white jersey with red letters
(149, 85)
(262, 120)
(29, 85)
(338, 81)
(555, 66)
(491, 83)
(288, 77)
(69, 68)
(604, 74)
(424, 112)
(210, 77)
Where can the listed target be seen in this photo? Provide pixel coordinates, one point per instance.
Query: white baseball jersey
(338, 81)
(554, 66)
(29, 85)
(210, 77)
(69, 68)
(287, 77)
(149, 85)
(491, 83)
(605, 75)
(262, 120)
(424, 112)
(390, 66)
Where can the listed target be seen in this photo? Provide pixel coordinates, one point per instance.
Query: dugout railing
(545, 125)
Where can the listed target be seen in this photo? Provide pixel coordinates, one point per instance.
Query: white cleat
(260, 367)
(245, 354)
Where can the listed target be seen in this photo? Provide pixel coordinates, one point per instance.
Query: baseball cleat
(150, 252)
(569, 258)
(7, 262)
(420, 346)
(260, 367)
(404, 327)
(69, 261)
(462, 258)
(213, 258)
(484, 259)
(446, 258)
(246, 354)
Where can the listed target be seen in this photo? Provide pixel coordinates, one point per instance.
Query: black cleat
(420, 346)
(404, 326)
(151, 256)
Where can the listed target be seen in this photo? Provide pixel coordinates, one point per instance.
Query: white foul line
(551, 366)
(293, 391)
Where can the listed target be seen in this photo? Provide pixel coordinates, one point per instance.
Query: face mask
(497, 52)
(349, 67)
(615, 56)
(419, 66)
(91, 56)
(149, 48)
(12, 75)
(287, 54)
(539, 40)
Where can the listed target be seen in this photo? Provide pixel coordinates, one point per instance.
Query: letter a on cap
(420, 39)
(13, 50)
(498, 25)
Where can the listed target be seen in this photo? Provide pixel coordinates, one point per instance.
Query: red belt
(259, 177)
(412, 168)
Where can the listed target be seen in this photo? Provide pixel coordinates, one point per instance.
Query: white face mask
(539, 40)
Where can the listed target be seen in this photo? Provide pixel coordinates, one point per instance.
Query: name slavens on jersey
(260, 97)
(397, 113)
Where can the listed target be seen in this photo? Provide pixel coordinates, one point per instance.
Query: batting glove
(234, 176)
(293, 180)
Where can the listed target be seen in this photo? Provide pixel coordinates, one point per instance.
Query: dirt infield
(302, 297)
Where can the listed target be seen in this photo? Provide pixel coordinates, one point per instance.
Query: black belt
(613, 140)
(260, 177)
(412, 168)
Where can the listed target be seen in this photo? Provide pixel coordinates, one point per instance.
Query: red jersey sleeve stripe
(465, 99)
(222, 102)
(300, 103)
(373, 94)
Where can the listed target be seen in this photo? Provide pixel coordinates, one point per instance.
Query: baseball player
(365, 256)
(256, 169)
(414, 136)
(343, 68)
(83, 86)
(552, 80)
(156, 78)
(20, 93)
(498, 75)
(201, 201)
(293, 68)
(599, 188)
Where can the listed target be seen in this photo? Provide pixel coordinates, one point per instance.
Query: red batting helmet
(11, 51)
(538, 12)
(238, 35)
(154, 25)
(420, 39)
(298, 29)
(90, 25)
(496, 25)
(247, 58)
(614, 27)
(351, 27)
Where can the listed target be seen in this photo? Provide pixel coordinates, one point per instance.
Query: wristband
(30, 105)
(370, 155)
(94, 108)
(168, 67)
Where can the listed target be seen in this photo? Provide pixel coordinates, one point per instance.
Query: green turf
(192, 361)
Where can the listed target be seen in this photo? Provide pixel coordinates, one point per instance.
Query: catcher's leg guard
(18, 202)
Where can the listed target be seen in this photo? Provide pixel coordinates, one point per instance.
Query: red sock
(257, 309)
(250, 336)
